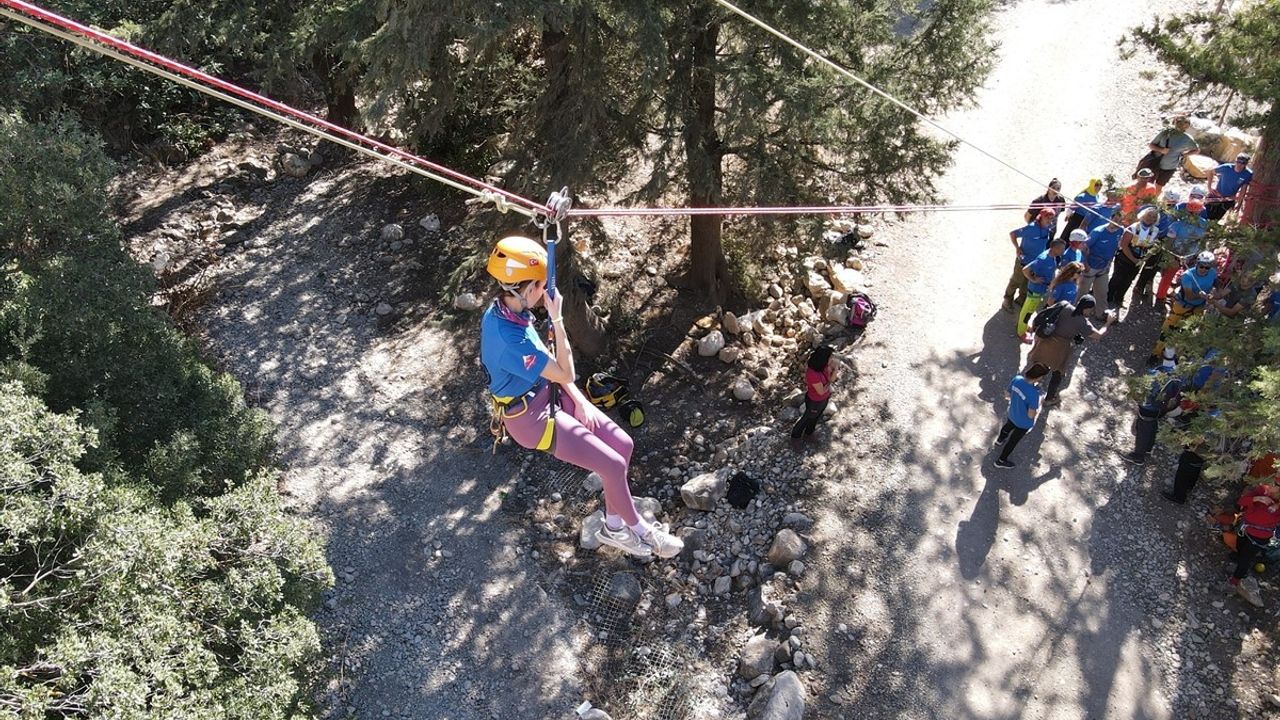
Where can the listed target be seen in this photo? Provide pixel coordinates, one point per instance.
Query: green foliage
(115, 607)
(1240, 415)
(51, 178)
(1235, 50)
(78, 313)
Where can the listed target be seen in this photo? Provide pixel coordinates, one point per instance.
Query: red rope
(821, 209)
(190, 72)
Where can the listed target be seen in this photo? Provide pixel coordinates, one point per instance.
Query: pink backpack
(861, 309)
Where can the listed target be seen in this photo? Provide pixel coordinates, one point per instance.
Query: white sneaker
(626, 540)
(664, 544)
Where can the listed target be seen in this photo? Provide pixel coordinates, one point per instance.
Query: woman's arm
(560, 370)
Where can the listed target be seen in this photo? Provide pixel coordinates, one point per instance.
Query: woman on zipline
(536, 400)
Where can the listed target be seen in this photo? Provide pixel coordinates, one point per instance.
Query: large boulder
(1205, 132)
(787, 546)
(817, 285)
(705, 490)
(294, 165)
(782, 698)
(1199, 166)
(757, 657)
(1232, 143)
(848, 280)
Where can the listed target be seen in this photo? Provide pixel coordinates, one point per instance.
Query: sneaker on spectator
(626, 540)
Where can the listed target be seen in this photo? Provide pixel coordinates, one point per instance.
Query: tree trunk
(339, 94)
(1262, 207)
(703, 156)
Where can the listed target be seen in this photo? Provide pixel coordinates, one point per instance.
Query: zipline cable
(104, 44)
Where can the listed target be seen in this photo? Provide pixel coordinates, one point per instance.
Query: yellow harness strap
(499, 416)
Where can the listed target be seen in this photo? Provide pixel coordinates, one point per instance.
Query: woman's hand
(583, 411)
(553, 306)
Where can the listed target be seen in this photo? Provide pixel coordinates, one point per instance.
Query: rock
(294, 165)
(648, 508)
(866, 231)
(729, 355)
(838, 314)
(775, 290)
(593, 483)
(674, 600)
(853, 263)
(589, 535)
(315, 158)
(722, 585)
(743, 390)
(796, 568)
(787, 546)
(624, 587)
(1199, 166)
(730, 323)
(817, 285)
(391, 232)
(757, 657)
(711, 343)
(383, 309)
(797, 521)
(1232, 143)
(467, 302)
(758, 324)
(782, 698)
(705, 490)
(759, 680)
(848, 280)
(1204, 131)
(430, 223)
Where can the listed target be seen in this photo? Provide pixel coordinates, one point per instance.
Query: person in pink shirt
(819, 373)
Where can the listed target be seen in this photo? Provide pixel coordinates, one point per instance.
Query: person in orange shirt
(1137, 194)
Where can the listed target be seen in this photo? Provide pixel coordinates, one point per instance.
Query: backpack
(1046, 321)
(861, 309)
(606, 391)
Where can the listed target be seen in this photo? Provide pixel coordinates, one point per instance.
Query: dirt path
(968, 591)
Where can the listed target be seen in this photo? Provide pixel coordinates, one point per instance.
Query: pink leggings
(606, 451)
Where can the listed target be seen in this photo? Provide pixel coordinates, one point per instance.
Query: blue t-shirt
(1083, 200)
(1071, 255)
(1230, 181)
(1092, 219)
(1187, 229)
(1163, 223)
(512, 352)
(1103, 243)
(1034, 240)
(1024, 395)
(1043, 268)
(1193, 282)
(1063, 291)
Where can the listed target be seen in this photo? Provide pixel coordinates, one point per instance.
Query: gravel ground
(935, 586)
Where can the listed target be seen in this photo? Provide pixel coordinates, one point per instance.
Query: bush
(114, 606)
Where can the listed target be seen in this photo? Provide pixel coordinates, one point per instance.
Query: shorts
(1163, 176)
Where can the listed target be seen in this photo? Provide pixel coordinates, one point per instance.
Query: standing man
(1230, 179)
(1039, 273)
(1134, 243)
(1028, 242)
(1100, 250)
(1054, 352)
(1051, 200)
(1172, 144)
(1183, 240)
(1024, 404)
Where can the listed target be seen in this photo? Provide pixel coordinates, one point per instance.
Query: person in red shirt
(1137, 194)
(1259, 517)
(819, 373)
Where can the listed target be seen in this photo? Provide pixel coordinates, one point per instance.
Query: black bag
(742, 488)
(1046, 321)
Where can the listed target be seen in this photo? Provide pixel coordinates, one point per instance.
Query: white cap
(1172, 195)
(1079, 235)
(1198, 191)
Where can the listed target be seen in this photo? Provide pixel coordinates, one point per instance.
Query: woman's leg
(1015, 435)
(1028, 309)
(806, 420)
(606, 452)
(814, 414)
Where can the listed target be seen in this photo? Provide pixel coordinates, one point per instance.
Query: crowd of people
(1081, 265)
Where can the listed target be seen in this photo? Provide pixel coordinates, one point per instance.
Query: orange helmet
(516, 259)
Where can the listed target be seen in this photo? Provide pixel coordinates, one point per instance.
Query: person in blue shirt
(1231, 178)
(1075, 247)
(1065, 285)
(1024, 405)
(1039, 273)
(1183, 241)
(1194, 292)
(537, 403)
(1078, 210)
(1104, 211)
(1099, 250)
(1028, 242)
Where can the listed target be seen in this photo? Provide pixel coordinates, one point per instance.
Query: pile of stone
(1218, 143)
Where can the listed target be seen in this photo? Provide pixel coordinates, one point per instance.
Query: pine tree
(1233, 52)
